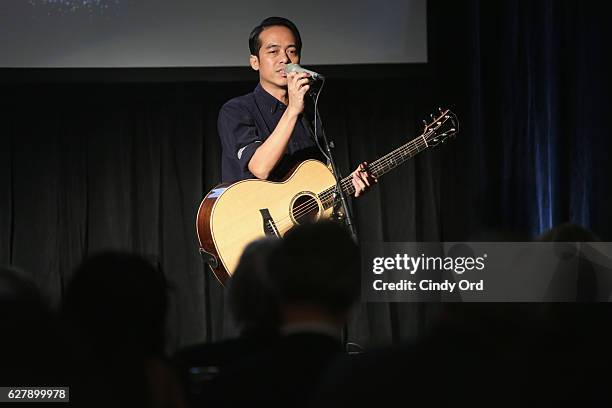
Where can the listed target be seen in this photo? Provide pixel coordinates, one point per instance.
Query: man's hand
(297, 86)
(362, 179)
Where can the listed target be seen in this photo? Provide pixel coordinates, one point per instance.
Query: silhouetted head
(568, 232)
(317, 264)
(574, 278)
(29, 343)
(251, 302)
(118, 302)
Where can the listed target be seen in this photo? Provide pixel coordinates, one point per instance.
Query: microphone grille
(292, 68)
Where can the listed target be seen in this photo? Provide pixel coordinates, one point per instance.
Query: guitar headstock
(444, 124)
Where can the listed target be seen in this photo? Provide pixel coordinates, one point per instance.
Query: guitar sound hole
(305, 209)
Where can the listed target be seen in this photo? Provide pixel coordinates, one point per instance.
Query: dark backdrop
(96, 159)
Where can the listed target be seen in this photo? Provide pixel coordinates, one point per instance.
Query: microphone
(298, 68)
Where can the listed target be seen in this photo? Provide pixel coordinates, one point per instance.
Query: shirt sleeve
(238, 134)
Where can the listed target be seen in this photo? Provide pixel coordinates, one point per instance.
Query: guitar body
(232, 216)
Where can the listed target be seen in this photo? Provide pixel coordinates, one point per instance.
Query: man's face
(278, 48)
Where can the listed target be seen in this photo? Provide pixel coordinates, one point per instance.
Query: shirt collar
(267, 101)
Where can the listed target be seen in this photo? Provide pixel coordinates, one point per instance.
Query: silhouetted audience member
(31, 350)
(253, 310)
(579, 324)
(315, 277)
(574, 278)
(568, 232)
(251, 304)
(488, 354)
(476, 355)
(116, 306)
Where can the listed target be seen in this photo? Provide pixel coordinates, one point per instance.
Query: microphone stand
(328, 146)
(339, 193)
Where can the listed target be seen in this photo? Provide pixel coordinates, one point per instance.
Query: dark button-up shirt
(245, 122)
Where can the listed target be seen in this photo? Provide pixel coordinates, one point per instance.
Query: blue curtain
(536, 97)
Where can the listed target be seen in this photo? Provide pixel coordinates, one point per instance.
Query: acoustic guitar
(232, 215)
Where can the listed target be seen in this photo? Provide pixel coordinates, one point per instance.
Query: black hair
(250, 300)
(118, 301)
(255, 43)
(317, 264)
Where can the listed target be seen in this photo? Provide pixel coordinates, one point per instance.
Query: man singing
(264, 134)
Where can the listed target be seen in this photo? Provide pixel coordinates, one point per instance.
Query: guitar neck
(379, 167)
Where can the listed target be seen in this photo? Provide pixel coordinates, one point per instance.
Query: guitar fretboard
(378, 168)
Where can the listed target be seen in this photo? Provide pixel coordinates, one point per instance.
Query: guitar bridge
(269, 226)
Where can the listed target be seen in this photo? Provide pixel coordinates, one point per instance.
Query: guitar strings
(326, 195)
(379, 164)
(347, 182)
(411, 147)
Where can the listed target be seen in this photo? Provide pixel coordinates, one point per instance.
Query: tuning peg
(439, 109)
(432, 116)
(424, 123)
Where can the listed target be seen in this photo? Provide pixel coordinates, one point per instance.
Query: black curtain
(88, 166)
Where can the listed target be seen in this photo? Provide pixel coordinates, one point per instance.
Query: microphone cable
(316, 114)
